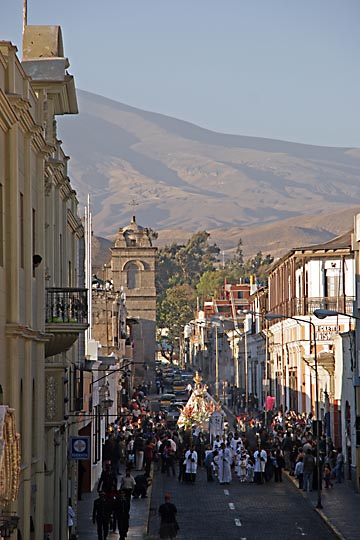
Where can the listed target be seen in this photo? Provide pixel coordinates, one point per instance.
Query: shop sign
(327, 332)
(80, 447)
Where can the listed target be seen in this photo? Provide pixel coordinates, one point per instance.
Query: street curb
(293, 481)
(320, 512)
(147, 522)
(139, 529)
(329, 524)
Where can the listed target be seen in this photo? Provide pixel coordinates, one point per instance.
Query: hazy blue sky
(285, 69)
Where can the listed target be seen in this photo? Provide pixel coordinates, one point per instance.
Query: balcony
(306, 306)
(65, 318)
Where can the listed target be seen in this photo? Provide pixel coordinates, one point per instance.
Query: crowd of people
(257, 450)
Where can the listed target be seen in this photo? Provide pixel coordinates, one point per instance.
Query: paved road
(210, 511)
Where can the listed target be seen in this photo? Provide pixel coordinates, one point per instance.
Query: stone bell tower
(133, 271)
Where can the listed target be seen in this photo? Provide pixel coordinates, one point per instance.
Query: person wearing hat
(168, 525)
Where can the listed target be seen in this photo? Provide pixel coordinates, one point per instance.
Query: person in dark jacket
(309, 466)
(142, 482)
(101, 516)
(122, 512)
(107, 479)
(209, 463)
(278, 463)
(168, 526)
(287, 446)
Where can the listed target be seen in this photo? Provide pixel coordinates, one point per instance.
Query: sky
(282, 69)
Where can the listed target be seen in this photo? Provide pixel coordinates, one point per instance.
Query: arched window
(133, 276)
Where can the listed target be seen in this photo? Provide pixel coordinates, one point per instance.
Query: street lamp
(272, 317)
(323, 313)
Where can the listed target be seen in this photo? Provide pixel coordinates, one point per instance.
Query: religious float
(202, 412)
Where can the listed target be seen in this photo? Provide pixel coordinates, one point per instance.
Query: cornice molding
(75, 224)
(8, 116)
(3, 62)
(25, 332)
(19, 102)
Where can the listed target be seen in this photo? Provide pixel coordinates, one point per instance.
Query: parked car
(179, 385)
(173, 411)
(167, 399)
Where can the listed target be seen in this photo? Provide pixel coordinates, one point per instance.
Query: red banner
(269, 403)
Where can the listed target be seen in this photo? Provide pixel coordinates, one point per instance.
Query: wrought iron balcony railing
(306, 305)
(66, 305)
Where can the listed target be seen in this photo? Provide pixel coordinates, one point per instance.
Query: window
(334, 282)
(133, 276)
(21, 232)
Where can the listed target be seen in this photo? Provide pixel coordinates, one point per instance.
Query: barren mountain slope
(175, 175)
(275, 238)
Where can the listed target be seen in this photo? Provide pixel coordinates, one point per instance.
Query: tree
(211, 283)
(168, 271)
(180, 265)
(176, 309)
(197, 257)
(235, 265)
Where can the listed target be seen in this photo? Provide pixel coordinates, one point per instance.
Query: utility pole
(216, 362)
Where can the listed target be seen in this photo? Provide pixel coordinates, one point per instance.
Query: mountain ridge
(177, 176)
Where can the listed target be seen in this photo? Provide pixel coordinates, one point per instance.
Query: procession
(207, 439)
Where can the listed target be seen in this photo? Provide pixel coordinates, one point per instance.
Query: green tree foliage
(168, 272)
(236, 263)
(179, 265)
(182, 266)
(197, 257)
(178, 306)
(177, 309)
(211, 283)
(237, 268)
(184, 271)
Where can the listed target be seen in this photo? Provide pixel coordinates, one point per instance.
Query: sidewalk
(341, 507)
(139, 515)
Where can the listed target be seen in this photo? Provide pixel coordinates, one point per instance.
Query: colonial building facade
(43, 309)
(304, 280)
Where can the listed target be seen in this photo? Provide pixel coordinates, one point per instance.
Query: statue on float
(198, 410)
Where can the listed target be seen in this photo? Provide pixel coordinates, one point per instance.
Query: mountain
(177, 176)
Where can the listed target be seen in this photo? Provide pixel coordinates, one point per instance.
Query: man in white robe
(260, 457)
(191, 460)
(224, 462)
